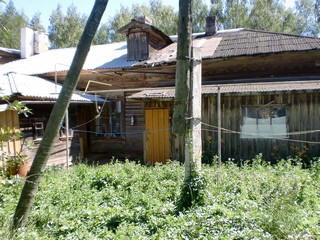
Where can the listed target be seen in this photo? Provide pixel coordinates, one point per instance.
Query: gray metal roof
(226, 43)
(112, 55)
(240, 88)
(10, 51)
(37, 89)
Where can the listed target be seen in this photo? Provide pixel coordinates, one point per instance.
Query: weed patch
(131, 201)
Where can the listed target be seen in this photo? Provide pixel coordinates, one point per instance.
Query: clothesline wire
(215, 129)
(270, 136)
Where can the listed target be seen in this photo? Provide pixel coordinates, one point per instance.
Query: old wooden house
(39, 95)
(267, 85)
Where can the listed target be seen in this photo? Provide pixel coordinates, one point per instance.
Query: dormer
(142, 38)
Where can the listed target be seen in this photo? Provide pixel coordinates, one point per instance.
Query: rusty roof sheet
(207, 45)
(240, 88)
(239, 42)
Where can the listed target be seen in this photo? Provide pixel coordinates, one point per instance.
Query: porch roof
(237, 88)
(35, 89)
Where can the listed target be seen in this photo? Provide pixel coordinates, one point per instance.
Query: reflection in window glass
(109, 123)
(261, 122)
(115, 118)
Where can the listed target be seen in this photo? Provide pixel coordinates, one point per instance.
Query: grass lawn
(133, 201)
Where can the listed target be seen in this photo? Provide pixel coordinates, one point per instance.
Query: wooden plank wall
(58, 152)
(303, 112)
(135, 132)
(130, 143)
(10, 119)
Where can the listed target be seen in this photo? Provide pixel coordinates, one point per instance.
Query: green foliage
(208, 154)
(130, 201)
(308, 17)
(35, 22)
(66, 30)
(9, 134)
(193, 192)
(102, 35)
(11, 21)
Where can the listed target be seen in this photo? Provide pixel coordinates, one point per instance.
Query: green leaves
(253, 201)
(65, 30)
(11, 21)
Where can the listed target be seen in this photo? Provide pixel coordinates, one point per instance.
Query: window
(38, 130)
(100, 126)
(109, 123)
(115, 118)
(264, 122)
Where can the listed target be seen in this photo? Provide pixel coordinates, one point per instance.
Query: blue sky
(45, 7)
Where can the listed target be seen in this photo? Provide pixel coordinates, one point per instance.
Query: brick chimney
(33, 42)
(211, 25)
(41, 42)
(143, 19)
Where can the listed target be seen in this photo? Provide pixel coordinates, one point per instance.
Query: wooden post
(183, 75)
(193, 140)
(219, 125)
(67, 138)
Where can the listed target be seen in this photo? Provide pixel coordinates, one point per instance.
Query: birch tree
(34, 176)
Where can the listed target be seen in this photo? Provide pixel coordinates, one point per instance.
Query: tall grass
(132, 201)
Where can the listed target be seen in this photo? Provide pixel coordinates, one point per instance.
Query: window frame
(104, 125)
(262, 114)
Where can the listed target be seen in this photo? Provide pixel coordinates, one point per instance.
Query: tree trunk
(183, 75)
(33, 179)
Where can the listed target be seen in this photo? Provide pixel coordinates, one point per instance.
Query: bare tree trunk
(33, 179)
(183, 75)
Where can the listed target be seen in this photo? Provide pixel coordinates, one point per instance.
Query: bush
(132, 201)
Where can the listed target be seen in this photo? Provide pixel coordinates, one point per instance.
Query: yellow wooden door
(10, 119)
(157, 147)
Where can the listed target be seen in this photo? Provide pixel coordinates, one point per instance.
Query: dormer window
(142, 38)
(138, 47)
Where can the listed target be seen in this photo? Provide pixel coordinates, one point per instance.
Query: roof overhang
(234, 89)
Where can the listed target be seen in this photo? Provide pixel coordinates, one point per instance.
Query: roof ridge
(279, 33)
(73, 48)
